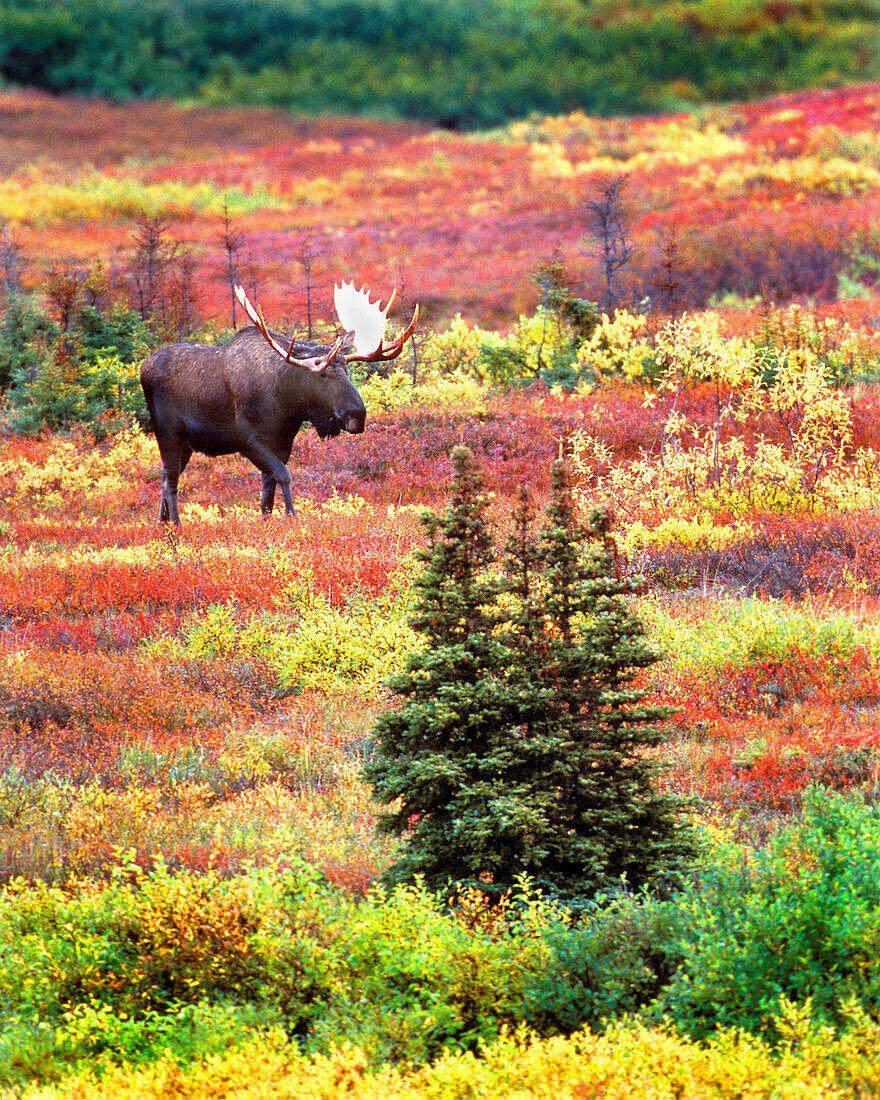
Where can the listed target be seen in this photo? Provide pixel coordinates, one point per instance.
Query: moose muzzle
(354, 422)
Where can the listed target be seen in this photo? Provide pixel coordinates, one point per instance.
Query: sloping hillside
(777, 197)
(462, 64)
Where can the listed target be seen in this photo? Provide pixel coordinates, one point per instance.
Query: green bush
(104, 392)
(154, 961)
(751, 632)
(86, 374)
(540, 348)
(459, 63)
(27, 335)
(798, 921)
(182, 967)
(119, 333)
(160, 959)
(603, 966)
(421, 978)
(313, 647)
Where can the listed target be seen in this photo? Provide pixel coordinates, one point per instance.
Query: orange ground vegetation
(782, 188)
(80, 594)
(86, 578)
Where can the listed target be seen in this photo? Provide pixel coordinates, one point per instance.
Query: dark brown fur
(242, 397)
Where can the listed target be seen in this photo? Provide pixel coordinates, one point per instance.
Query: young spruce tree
(606, 821)
(518, 745)
(434, 753)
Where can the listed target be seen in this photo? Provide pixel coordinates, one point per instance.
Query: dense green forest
(459, 63)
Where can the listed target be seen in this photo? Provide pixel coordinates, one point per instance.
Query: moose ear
(359, 315)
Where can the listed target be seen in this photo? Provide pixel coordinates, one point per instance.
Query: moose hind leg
(172, 467)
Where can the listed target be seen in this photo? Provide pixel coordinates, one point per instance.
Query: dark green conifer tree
(518, 746)
(434, 753)
(607, 819)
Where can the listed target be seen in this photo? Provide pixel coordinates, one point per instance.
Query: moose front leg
(168, 509)
(273, 472)
(267, 500)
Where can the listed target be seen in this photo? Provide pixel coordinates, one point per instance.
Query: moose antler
(314, 363)
(360, 317)
(367, 320)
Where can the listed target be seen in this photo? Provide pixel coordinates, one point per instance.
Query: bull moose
(251, 396)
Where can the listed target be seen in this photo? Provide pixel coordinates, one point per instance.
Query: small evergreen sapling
(606, 821)
(518, 748)
(434, 752)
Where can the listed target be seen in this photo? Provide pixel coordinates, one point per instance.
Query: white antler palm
(367, 320)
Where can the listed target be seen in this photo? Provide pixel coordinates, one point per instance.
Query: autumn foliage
(195, 708)
(776, 198)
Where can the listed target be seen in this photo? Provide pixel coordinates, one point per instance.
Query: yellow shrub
(74, 469)
(628, 1061)
(435, 390)
(665, 144)
(98, 196)
(537, 338)
(362, 648)
(456, 350)
(617, 347)
(698, 533)
(809, 465)
(68, 472)
(836, 178)
(102, 823)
